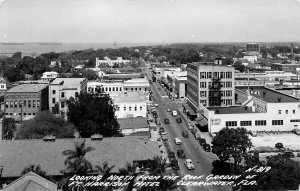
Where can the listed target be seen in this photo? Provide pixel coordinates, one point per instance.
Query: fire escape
(215, 90)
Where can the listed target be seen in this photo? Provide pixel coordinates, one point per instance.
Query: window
(209, 75)
(53, 91)
(279, 111)
(16, 104)
(260, 122)
(53, 100)
(135, 89)
(126, 89)
(202, 93)
(29, 103)
(202, 84)
(229, 102)
(129, 108)
(113, 89)
(135, 108)
(140, 89)
(2, 86)
(295, 120)
(38, 103)
(202, 75)
(141, 108)
(11, 104)
(231, 123)
(29, 113)
(228, 93)
(120, 89)
(117, 108)
(33, 103)
(62, 104)
(117, 89)
(25, 103)
(216, 74)
(228, 75)
(286, 111)
(24, 113)
(131, 89)
(6, 104)
(228, 84)
(277, 122)
(106, 89)
(125, 108)
(294, 111)
(62, 94)
(246, 123)
(20, 103)
(33, 113)
(76, 94)
(109, 89)
(222, 75)
(10, 113)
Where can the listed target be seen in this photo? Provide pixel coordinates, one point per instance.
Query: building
(134, 126)
(261, 109)
(61, 89)
(291, 67)
(250, 58)
(109, 62)
(209, 84)
(2, 84)
(130, 104)
(26, 100)
(120, 76)
(47, 76)
(137, 84)
(252, 47)
(117, 151)
(177, 84)
(164, 72)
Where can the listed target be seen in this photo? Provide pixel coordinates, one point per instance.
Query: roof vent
(49, 138)
(279, 99)
(96, 137)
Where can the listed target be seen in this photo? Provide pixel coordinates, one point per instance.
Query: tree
(105, 169)
(9, 128)
(45, 123)
(93, 113)
(158, 165)
(89, 74)
(36, 169)
(55, 109)
(239, 66)
(231, 143)
(129, 170)
(14, 74)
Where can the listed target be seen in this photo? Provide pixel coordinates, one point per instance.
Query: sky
(149, 21)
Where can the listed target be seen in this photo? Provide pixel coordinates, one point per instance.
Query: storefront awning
(202, 121)
(188, 109)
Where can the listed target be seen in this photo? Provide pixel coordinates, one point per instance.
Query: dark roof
(23, 88)
(231, 110)
(18, 154)
(268, 95)
(133, 123)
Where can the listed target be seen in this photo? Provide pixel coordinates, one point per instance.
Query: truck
(174, 113)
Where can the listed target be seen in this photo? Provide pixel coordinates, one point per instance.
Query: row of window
(129, 108)
(20, 114)
(286, 111)
(222, 84)
(257, 123)
(109, 89)
(25, 103)
(295, 120)
(208, 75)
(223, 102)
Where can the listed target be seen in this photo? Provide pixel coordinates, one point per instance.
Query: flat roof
(133, 123)
(68, 83)
(18, 154)
(129, 97)
(231, 110)
(28, 88)
(270, 96)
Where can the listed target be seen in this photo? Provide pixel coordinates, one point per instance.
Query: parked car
(167, 121)
(174, 164)
(202, 142)
(190, 126)
(206, 147)
(168, 110)
(180, 154)
(164, 136)
(185, 134)
(161, 129)
(171, 156)
(178, 120)
(174, 113)
(177, 141)
(158, 122)
(188, 163)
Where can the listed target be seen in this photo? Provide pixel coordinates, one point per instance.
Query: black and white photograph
(149, 95)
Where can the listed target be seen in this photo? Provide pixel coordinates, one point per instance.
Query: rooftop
(18, 154)
(133, 123)
(231, 110)
(130, 97)
(68, 82)
(27, 88)
(268, 95)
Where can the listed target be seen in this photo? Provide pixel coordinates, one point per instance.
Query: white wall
(121, 113)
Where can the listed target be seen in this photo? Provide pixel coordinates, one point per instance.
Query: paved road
(201, 159)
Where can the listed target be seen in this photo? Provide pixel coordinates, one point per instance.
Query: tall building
(252, 47)
(209, 84)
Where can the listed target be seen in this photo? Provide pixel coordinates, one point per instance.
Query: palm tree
(36, 169)
(105, 169)
(158, 166)
(130, 170)
(76, 164)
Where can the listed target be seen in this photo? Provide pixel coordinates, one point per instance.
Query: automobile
(288, 154)
(155, 115)
(177, 141)
(178, 120)
(164, 136)
(174, 164)
(174, 113)
(190, 126)
(202, 142)
(156, 105)
(206, 147)
(194, 131)
(185, 134)
(188, 163)
(168, 110)
(158, 122)
(180, 154)
(161, 130)
(167, 121)
(171, 156)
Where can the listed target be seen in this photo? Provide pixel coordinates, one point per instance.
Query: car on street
(168, 110)
(161, 130)
(158, 122)
(202, 142)
(174, 113)
(174, 165)
(185, 134)
(177, 141)
(178, 120)
(171, 156)
(164, 136)
(188, 163)
(156, 105)
(206, 147)
(180, 154)
(190, 126)
(167, 121)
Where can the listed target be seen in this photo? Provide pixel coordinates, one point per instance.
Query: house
(109, 62)
(78, 67)
(134, 126)
(31, 182)
(2, 84)
(48, 76)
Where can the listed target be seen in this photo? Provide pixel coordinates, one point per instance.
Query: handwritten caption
(185, 180)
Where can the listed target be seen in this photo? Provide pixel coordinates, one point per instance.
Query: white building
(61, 89)
(131, 104)
(110, 62)
(163, 72)
(251, 58)
(137, 84)
(177, 84)
(47, 76)
(262, 109)
(2, 84)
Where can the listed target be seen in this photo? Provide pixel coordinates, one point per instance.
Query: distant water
(39, 48)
